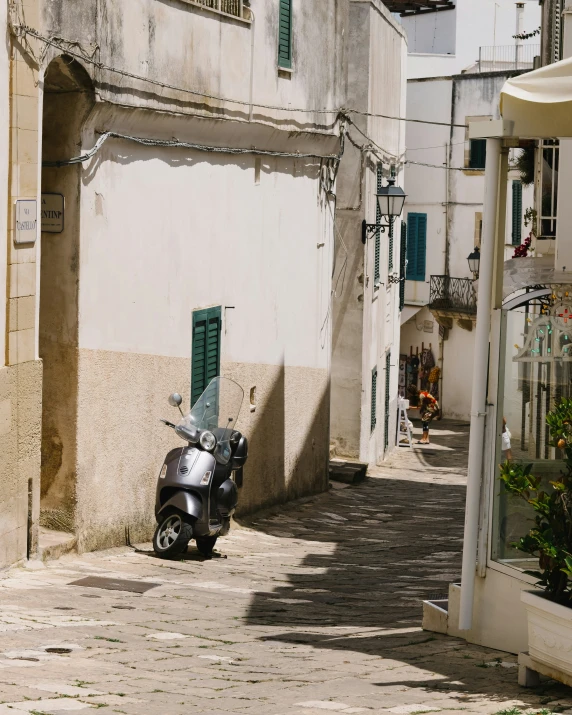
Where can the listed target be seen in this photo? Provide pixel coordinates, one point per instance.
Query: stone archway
(68, 99)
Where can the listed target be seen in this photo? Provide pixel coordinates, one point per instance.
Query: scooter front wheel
(205, 545)
(172, 536)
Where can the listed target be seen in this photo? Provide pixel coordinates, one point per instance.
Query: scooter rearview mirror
(175, 399)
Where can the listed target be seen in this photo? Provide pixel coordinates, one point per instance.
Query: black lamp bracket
(368, 229)
(395, 278)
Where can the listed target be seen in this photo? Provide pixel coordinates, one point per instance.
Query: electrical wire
(175, 143)
(21, 30)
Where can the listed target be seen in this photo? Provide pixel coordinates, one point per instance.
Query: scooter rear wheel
(205, 545)
(172, 536)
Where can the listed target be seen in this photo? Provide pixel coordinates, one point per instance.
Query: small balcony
(503, 58)
(453, 299)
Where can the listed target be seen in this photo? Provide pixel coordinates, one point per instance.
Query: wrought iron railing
(230, 7)
(456, 295)
(506, 57)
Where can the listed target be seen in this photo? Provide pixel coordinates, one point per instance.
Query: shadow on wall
(288, 434)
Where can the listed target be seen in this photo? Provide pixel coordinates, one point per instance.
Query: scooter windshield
(217, 411)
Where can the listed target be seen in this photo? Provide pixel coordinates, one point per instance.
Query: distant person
(428, 410)
(506, 446)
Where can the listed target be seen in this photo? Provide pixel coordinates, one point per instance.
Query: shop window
(549, 188)
(536, 355)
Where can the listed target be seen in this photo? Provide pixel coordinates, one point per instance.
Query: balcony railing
(499, 58)
(452, 295)
(230, 7)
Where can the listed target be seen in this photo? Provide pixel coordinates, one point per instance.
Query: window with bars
(516, 213)
(285, 34)
(377, 255)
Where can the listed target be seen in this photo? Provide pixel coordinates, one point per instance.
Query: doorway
(68, 99)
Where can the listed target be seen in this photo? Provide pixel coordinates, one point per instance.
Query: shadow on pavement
(380, 549)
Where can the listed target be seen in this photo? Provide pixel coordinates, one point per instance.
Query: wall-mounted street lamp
(474, 260)
(390, 200)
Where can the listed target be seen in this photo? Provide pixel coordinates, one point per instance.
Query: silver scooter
(197, 486)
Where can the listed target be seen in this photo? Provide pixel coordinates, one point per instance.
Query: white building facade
(444, 213)
(367, 283)
(198, 238)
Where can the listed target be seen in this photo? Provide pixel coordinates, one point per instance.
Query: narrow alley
(315, 607)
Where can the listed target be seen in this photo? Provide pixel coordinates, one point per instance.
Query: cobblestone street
(312, 608)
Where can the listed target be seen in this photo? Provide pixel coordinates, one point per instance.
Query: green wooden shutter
(377, 256)
(402, 264)
(416, 246)
(390, 249)
(373, 398)
(206, 350)
(516, 213)
(478, 155)
(285, 34)
(387, 400)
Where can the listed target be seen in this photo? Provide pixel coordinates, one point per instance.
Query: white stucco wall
(205, 233)
(474, 21)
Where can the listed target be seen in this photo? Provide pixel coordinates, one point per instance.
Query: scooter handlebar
(169, 424)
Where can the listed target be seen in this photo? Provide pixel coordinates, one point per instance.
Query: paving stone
(316, 608)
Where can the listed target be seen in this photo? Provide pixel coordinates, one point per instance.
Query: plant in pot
(549, 611)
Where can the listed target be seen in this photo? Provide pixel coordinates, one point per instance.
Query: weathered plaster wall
(154, 234)
(366, 321)
(20, 372)
(68, 98)
(139, 282)
(191, 47)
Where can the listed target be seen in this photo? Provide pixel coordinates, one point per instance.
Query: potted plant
(549, 611)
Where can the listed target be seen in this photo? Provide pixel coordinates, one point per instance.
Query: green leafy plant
(551, 536)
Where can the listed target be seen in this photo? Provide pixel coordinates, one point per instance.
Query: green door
(206, 349)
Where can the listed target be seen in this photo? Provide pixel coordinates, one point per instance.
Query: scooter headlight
(163, 472)
(207, 441)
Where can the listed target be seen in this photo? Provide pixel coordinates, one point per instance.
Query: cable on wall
(175, 143)
(68, 47)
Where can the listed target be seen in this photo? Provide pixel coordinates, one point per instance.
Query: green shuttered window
(387, 401)
(373, 398)
(285, 34)
(376, 269)
(416, 246)
(390, 249)
(206, 350)
(402, 264)
(478, 153)
(516, 213)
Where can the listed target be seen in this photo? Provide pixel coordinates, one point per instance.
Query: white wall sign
(52, 213)
(26, 221)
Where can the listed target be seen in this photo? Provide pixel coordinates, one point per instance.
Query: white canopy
(540, 102)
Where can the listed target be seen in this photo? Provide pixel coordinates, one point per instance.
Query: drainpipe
(251, 65)
(479, 397)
